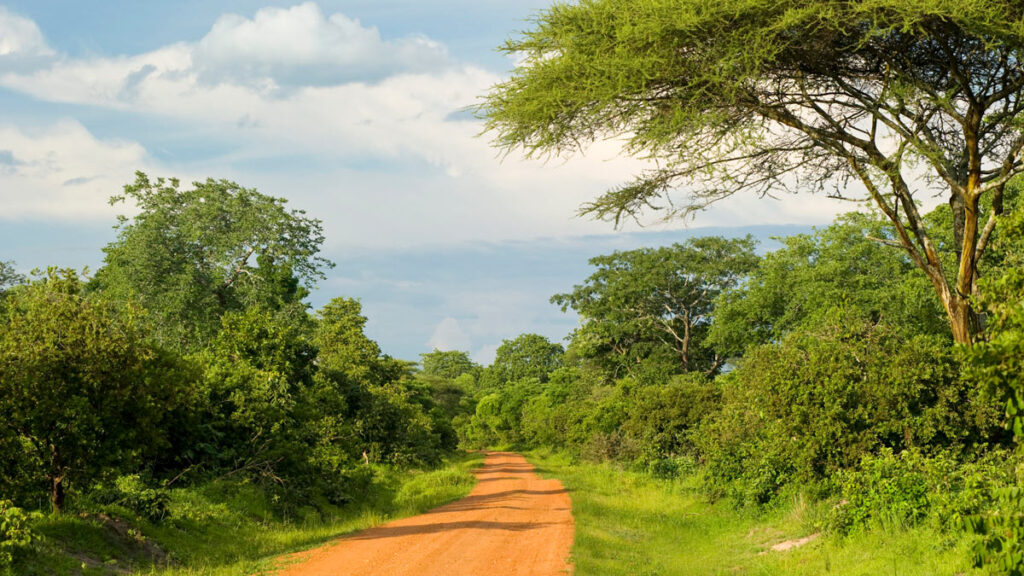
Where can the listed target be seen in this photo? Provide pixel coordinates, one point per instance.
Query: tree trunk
(57, 493)
(57, 474)
(963, 322)
(960, 320)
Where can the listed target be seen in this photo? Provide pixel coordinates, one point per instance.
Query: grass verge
(633, 524)
(227, 529)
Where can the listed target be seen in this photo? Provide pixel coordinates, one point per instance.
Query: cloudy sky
(353, 110)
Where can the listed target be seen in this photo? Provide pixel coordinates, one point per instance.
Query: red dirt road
(513, 523)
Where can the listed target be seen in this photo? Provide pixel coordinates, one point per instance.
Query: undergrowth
(223, 528)
(632, 524)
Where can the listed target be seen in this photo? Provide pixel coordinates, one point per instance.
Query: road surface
(513, 523)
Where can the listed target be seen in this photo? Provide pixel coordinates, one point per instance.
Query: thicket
(191, 359)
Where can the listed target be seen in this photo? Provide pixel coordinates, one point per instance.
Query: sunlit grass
(633, 525)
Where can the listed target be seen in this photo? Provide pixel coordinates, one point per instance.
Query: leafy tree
(392, 426)
(79, 385)
(448, 364)
(387, 416)
(765, 95)
(840, 265)
(191, 255)
(525, 356)
(644, 300)
(255, 373)
(344, 348)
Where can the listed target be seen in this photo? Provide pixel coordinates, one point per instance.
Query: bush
(15, 532)
(134, 494)
(1001, 528)
(821, 400)
(662, 419)
(906, 488)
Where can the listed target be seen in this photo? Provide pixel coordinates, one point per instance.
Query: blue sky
(351, 110)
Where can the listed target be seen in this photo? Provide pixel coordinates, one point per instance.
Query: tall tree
(191, 255)
(345, 350)
(660, 296)
(908, 98)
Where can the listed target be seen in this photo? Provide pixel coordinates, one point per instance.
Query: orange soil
(513, 523)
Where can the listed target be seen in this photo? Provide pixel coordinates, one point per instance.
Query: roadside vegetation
(225, 528)
(633, 524)
(872, 368)
(715, 401)
(183, 409)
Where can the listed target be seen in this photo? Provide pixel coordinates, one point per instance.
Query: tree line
(191, 356)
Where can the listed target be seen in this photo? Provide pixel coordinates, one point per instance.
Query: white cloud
(486, 354)
(63, 171)
(20, 37)
(448, 335)
(302, 46)
(400, 169)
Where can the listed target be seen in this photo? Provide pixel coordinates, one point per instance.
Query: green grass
(230, 529)
(635, 525)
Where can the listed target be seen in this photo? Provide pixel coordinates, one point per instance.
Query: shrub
(134, 494)
(822, 399)
(15, 532)
(662, 419)
(906, 488)
(1001, 531)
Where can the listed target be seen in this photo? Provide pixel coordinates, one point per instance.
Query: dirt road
(513, 523)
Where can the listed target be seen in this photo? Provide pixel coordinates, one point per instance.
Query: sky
(355, 111)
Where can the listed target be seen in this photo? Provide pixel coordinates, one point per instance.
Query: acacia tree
(908, 98)
(660, 295)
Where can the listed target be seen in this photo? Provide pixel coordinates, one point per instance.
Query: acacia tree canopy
(765, 95)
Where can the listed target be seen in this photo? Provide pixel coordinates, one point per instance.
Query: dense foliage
(820, 368)
(191, 358)
(654, 305)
